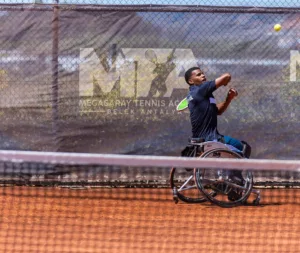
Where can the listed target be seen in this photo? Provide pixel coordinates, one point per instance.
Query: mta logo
(134, 72)
(294, 60)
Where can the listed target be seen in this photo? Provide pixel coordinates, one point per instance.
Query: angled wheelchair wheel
(184, 186)
(232, 187)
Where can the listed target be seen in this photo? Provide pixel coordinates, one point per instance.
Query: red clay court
(37, 219)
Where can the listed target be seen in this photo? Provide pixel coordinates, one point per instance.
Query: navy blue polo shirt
(203, 111)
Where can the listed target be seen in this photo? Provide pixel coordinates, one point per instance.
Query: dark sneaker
(234, 195)
(237, 178)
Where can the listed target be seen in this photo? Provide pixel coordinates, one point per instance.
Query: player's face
(197, 77)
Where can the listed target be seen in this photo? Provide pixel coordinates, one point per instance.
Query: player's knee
(246, 149)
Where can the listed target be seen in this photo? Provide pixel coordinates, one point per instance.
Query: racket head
(182, 105)
(151, 56)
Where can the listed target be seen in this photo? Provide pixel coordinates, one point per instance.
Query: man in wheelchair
(204, 111)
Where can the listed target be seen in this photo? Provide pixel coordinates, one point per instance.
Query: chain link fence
(91, 76)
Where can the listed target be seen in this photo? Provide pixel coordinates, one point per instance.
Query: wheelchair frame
(212, 189)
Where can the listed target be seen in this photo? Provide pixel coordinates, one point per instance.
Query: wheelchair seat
(207, 145)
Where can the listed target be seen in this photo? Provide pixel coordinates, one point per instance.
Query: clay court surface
(35, 219)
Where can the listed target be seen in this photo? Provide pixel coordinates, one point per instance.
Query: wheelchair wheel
(184, 186)
(232, 187)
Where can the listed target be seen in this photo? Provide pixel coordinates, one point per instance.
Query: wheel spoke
(181, 189)
(230, 187)
(187, 181)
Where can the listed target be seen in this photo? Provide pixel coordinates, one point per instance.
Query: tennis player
(204, 109)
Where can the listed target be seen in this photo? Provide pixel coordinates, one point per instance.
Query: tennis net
(125, 203)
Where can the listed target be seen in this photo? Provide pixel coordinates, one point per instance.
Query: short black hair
(188, 74)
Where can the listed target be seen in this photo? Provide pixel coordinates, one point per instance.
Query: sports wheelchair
(225, 188)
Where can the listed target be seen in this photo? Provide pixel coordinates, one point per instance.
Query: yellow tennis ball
(277, 27)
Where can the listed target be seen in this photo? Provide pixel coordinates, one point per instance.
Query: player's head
(194, 76)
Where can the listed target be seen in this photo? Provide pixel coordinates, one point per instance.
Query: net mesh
(65, 202)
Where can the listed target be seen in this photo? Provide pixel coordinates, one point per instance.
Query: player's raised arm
(232, 93)
(223, 80)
